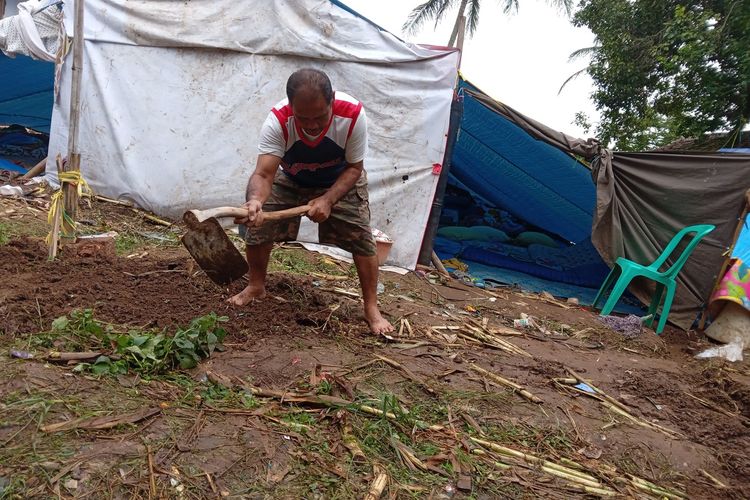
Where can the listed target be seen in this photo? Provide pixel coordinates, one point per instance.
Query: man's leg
(367, 270)
(257, 260)
(259, 240)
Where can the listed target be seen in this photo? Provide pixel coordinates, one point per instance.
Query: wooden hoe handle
(218, 212)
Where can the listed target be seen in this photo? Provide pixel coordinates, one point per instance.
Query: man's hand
(255, 214)
(320, 209)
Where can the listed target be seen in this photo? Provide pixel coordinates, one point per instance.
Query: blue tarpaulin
(26, 92)
(529, 178)
(519, 186)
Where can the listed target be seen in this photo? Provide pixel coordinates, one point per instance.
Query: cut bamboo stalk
(116, 202)
(347, 436)
(318, 399)
(714, 480)
(380, 481)
(503, 450)
(574, 478)
(644, 485)
(620, 409)
(35, 170)
(439, 265)
(152, 218)
(496, 342)
(503, 381)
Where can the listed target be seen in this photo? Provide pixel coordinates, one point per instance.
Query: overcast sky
(520, 59)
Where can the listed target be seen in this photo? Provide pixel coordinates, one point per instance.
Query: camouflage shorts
(348, 227)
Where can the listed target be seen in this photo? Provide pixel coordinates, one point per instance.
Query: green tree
(436, 10)
(664, 69)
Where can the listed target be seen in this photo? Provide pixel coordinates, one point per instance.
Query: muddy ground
(300, 379)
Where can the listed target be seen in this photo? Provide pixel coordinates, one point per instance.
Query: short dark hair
(312, 79)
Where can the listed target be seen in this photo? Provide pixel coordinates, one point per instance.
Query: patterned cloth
(735, 286)
(348, 227)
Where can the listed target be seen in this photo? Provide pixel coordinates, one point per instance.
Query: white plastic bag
(730, 352)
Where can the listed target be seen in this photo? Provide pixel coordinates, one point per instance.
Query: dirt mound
(146, 292)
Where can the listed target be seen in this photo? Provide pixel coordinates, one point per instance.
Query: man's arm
(259, 189)
(320, 208)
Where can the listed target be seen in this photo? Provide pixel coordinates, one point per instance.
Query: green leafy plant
(148, 352)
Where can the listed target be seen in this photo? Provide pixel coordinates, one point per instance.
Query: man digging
(319, 139)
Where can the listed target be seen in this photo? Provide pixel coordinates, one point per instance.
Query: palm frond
(472, 17)
(431, 9)
(583, 52)
(441, 11)
(563, 5)
(571, 78)
(510, 7)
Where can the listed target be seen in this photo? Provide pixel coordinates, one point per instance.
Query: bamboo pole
(70, 192)
(36, 169)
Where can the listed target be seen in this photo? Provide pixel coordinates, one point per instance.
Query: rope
(57, 205)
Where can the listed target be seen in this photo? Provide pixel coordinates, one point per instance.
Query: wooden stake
(151, 477)
(438, 264)
(70, 191)
(55, 234)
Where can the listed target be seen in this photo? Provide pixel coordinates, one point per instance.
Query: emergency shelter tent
(559, 208)
(29, 39)
(517, 203)
(174, 95)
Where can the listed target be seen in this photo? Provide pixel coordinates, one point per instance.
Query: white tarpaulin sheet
(174, 95)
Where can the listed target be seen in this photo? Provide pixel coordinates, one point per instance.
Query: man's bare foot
(378, 324)
(249, 294)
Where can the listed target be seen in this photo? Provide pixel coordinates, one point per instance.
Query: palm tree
(436, 10)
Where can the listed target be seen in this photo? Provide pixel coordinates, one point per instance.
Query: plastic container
(383, 245)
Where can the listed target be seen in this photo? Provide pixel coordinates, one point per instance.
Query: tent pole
(425, 253)
(725, 265)
(70, 190)
(460, 41)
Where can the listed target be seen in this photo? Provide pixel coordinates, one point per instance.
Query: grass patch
(4, 233)
(14, 229)
(299, 261)
(127, 243)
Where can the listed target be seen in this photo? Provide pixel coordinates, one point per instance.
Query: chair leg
(665, 309)
(655, 301)
(617, 291)
(605, 286)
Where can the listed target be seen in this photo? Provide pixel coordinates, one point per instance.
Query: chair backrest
(700, 230)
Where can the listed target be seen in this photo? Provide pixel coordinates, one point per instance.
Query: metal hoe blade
(213, 250)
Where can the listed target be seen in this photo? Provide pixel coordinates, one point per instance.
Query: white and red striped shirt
(316, 161)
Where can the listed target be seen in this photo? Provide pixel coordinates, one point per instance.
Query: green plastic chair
(625, 271)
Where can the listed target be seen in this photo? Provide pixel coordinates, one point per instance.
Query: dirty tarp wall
(644, 199)
(174, 95)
